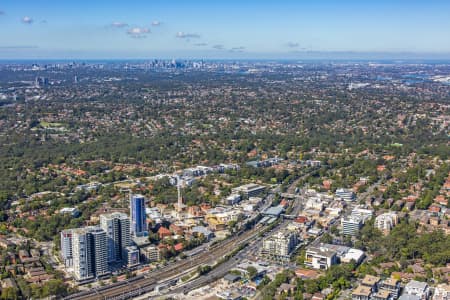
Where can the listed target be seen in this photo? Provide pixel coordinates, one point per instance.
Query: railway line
(146, 283)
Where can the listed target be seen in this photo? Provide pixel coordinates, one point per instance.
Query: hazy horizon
(232, 29)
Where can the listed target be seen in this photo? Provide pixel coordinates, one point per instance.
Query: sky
(223, 29)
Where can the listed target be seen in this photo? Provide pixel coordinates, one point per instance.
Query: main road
(146, 283)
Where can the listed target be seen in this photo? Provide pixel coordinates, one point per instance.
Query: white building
(249, 190)
(66, 247)
(117, 228)
(89, 246)
(232, 199)
(351, 225)
(417, 288)
(132, 256)
(73, 211)
(314, 203)
(364, 214)
(320, 257)
(442, 292)
(385, 222)
(150, 253)
(345, 194)
(280, 245)
(354, 222)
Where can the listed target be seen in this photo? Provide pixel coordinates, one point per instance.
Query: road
(174, 271)
(224, 268)
(145, 284)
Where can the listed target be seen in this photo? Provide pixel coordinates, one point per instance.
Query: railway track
(146, 283)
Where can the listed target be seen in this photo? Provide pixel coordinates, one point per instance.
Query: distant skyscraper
(117, 228)
(89, 246)
(137, 213)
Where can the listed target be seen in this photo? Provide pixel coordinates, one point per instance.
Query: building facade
(89, 246)
(385, 222)
(117, 228)
(66, 247)
(138, 217)
(249, 190)
(351, 225)
(280, 245)
(320, 257)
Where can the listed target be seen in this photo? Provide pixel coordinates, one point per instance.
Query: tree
(326, 238)
(9, 293)
(252, 272)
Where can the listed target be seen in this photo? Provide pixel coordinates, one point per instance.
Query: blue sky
(222, 29)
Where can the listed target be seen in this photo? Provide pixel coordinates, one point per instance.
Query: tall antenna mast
(180, 199)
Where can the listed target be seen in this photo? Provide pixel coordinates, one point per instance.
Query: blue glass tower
(138, 218)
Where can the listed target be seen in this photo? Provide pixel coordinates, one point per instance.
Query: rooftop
(362, 291)
(390, 281)
(370, 280)
(414, 284)
(383, 294)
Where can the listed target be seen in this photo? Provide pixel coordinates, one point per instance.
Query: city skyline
(231, 29)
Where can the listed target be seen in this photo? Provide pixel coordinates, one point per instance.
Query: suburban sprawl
(210, 179)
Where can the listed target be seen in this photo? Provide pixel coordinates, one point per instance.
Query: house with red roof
(163, 233)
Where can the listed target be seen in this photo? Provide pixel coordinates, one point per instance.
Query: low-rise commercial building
(249, 190)
(320, 257)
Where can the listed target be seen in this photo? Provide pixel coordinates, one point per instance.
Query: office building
(66, 247)
(249, 190)
(362, 213)
(319, 257)
(345, 194)
(138, 217)
(323, 256)
(131, 256)
(232, 199)
(351, 225)
(117, 228)
(89, 247)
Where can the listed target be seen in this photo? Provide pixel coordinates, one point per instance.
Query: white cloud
(237, 49)
(201, 44)
(185, 35)
(27, 20)
(218, 47)
(19, 47)
(138, 32)
(156, 23)
(118, 24)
